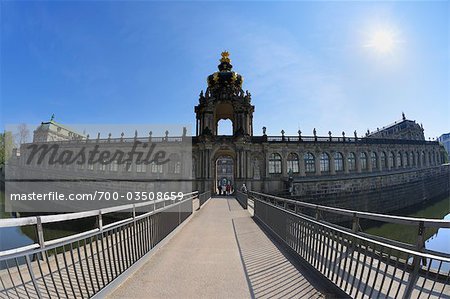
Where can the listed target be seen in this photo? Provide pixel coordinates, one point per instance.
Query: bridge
(253, 245)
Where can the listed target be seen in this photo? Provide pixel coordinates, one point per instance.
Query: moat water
(438, 240)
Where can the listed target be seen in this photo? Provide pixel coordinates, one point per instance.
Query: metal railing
(242, 198)
(204, 197)
(80, 265)
(362, 265)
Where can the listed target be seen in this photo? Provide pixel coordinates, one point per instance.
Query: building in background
(444, 139)
(53, 131)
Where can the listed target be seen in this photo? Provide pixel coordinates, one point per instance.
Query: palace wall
(381, 192)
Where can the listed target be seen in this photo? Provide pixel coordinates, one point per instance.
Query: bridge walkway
(220, 253)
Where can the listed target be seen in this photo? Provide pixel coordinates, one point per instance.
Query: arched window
(324, 162)
(225, 127)
(156, 168)
(174, 164)
(310, 162)
(384, 161)
(141, 167)
(413, 159)
(429, 158)
(292, 163)
(406, 159)
(424, 162)
(274, 163)
(194, 168)
(399, 160)
(363, 160)
(338, 162)
(374, 160)
(351, 162)
(391, 160)
(114, 166)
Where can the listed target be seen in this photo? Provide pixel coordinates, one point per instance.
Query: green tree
(6, 146)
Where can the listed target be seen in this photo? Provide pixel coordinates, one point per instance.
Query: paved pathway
(220, 253)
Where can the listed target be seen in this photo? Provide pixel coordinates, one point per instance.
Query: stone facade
(272, 163)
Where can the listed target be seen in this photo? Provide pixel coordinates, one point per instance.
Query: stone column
(301, 164)
(317, 162)
(332, 166)
(345, 162)
(379, 166)
(284, 163)
(358, 162)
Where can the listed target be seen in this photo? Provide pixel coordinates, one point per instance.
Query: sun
(383, 41)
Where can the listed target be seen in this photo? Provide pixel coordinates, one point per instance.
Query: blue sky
(308, 65)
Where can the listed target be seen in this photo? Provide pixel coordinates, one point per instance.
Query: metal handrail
(82, 264)
(364, 238)
(31, 220)
(436, 223)
(357, 263)
(242, 198)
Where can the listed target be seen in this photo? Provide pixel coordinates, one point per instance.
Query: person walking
(244, 188)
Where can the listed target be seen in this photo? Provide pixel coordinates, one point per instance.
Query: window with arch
(141, 167)
(174, 164)
(384, 161)
(310, 162)
(114, 166)
(413, 159)
(292, 163)
(391, 160)
(324, 162)
(429, 158)
(194, 168)
(274, 163)
(225, 127)
(399, 160)
(424, 162)
(374, 160)
(406, 163)
(155, 168)
(363, 160)
(338, 162)
(351, 161)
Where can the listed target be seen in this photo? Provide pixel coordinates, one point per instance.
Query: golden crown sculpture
(225, 57)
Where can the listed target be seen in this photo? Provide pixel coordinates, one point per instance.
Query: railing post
(40, 232)
(100, 221)
(355, 223)
(317, 213)
(413, 276)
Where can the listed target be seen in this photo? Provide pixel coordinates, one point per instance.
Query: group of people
(228, 189)
(225, 190)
